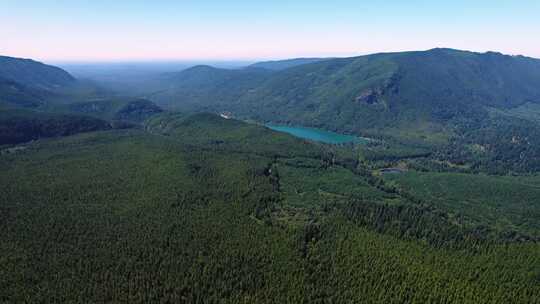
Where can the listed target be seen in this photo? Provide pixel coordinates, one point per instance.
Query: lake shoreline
(318, 135)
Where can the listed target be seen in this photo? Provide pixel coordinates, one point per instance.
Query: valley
(389, 178)
(241, 212)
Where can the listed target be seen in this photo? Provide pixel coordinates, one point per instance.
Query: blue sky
(121, 30)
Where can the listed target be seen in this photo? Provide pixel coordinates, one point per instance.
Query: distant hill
(34, 74)
(115, 108)
(278, 65)
(30, 84)
(17, 126)
(367, 92)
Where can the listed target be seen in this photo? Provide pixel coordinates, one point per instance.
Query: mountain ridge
(443, 80)
(34, 73)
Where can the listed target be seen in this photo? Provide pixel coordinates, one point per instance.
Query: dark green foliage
(17, 126)
(279, 65)
(383, 90)
(201, 209)
(25, 83)
(137, 111)
(441, 100)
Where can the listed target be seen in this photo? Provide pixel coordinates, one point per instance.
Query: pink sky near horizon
(68, 34)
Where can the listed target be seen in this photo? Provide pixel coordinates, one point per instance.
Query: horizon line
(241, 59)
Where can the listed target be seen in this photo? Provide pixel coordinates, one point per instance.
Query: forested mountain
(436, 98)
(105, 198)
(159, 162)
(277, 65)
(205, 86)
(39, 101)
(375, 90)
(34, 74)
(18, 95)
(30, 84)
(19, 126)
(392, 89)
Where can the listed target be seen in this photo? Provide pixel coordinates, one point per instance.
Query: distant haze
(98, 70)
(167, 30)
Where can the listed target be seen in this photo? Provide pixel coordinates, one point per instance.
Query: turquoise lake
(318, 134)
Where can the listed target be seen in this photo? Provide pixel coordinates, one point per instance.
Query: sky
(163, 30)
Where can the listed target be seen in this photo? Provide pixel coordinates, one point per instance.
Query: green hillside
(17, 95)
(201, 87)
(106, 198)
(39, 101)
(277, 65)
(509, 203)
(111, 108)
(29, 84)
